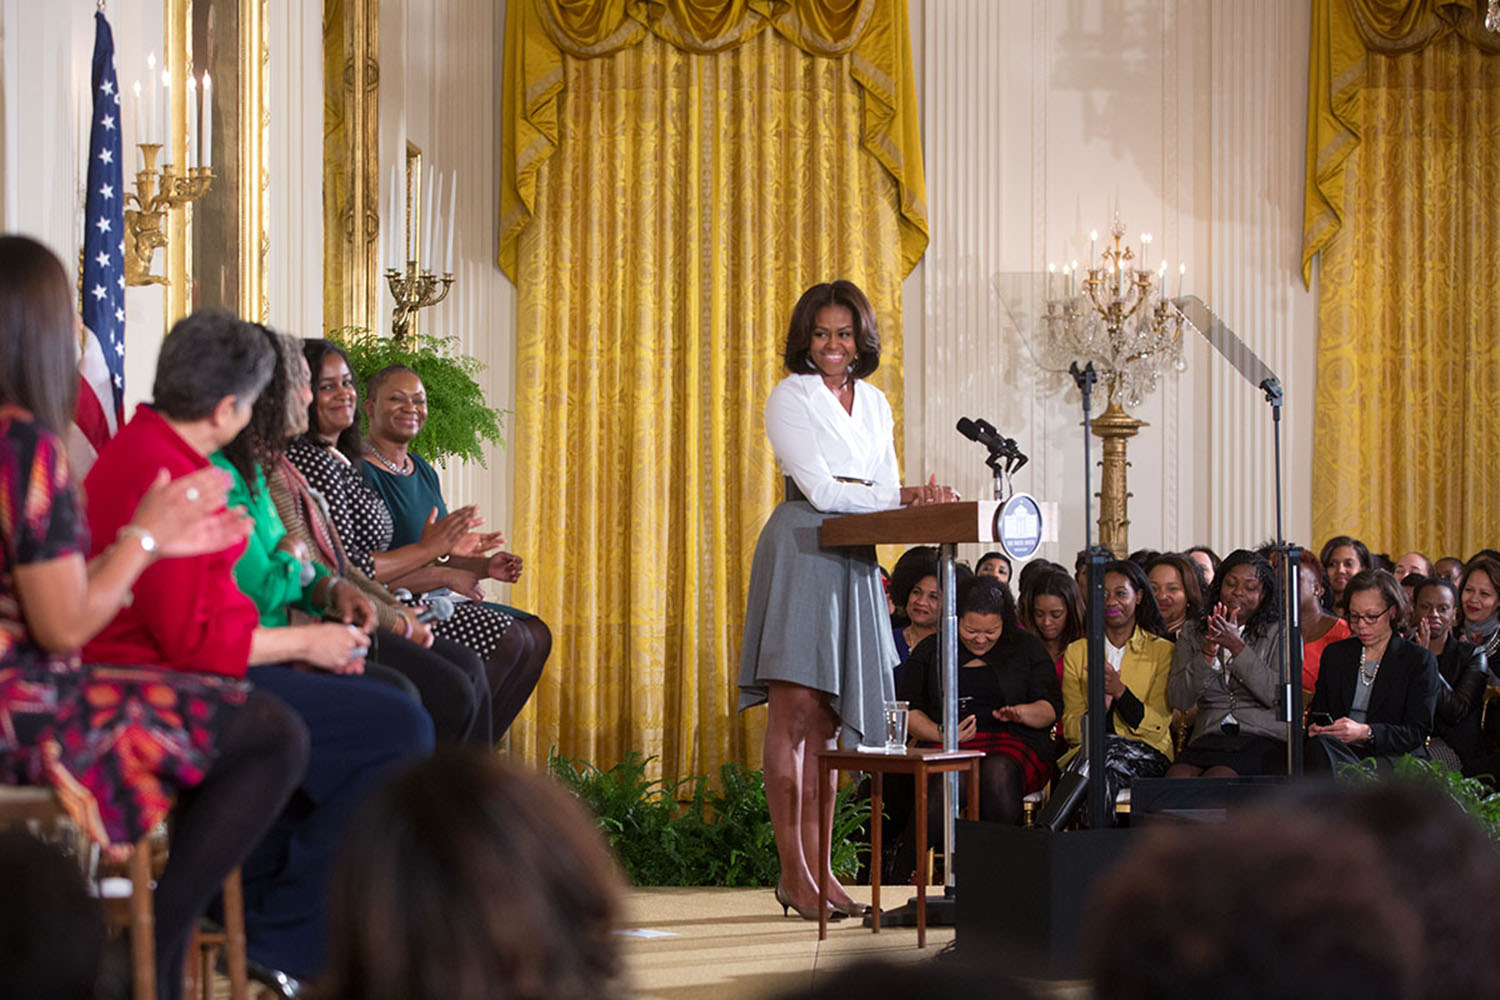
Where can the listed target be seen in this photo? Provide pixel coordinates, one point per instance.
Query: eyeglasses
(1355, 619)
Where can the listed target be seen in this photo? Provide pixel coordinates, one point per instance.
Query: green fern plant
(459, 419)
(1474, 796)
(692, 833)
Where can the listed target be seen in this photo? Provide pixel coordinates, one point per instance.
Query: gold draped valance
(870, 36)
(1343, 31)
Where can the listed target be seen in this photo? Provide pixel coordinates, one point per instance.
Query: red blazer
(186, 614)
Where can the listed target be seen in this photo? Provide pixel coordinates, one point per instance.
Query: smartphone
(1320, 718)
(965, 707)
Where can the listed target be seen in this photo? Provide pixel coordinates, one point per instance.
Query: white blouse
(815, 441)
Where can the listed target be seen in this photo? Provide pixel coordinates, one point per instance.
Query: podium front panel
(925, 524)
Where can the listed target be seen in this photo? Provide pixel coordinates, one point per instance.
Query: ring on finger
(192, 494)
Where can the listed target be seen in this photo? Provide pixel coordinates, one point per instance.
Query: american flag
(101, 369)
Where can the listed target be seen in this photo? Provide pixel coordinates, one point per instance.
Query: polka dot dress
(364, 523)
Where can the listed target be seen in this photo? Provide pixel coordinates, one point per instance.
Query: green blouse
(270, 578)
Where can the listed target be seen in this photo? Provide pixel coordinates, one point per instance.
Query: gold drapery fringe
(869, 38)
(690, 199)
(1408, 383)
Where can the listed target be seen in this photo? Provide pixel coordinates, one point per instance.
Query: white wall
(1190, 115)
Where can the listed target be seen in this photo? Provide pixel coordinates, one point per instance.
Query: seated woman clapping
(439, 550)
(1138, 662)
(307, 572)
(1376, 691)
(1463, 672)
(1008, 682)
(1226, 667)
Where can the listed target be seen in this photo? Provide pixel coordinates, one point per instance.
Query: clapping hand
(478, 543)
(1223, 631)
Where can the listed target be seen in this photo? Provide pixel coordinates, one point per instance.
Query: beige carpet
(734, 944)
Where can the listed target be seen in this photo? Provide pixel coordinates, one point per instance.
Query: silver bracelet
(145, 538)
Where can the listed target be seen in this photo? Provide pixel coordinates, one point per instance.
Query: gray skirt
(817, 617)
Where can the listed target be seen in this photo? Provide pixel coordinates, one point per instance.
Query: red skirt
(1035, 772)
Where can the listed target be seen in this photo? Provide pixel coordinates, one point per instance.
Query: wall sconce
(145, 224)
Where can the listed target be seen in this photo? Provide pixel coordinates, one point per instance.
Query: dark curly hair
(805, 314)
(261, 440)
(1147, 612)
(1264, 619)
(915, 564)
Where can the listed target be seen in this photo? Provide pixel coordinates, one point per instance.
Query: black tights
(1001, 790)
(262, 754)
(514, 668)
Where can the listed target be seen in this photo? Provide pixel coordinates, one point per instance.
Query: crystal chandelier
(1492, 18)
(1117, 316)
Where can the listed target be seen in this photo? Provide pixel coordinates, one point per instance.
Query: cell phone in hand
(1320, 718)
(965, 707)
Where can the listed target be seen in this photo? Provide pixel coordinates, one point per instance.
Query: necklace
(1367, 675)
(404, 469)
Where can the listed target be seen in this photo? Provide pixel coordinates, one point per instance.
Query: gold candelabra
(414, 289)
(145, 224)
(1120, 319)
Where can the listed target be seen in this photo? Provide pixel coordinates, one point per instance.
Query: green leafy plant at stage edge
(692, 834)
(1475, 796)
(460, 420)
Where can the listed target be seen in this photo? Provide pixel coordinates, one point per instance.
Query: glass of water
(895, 726)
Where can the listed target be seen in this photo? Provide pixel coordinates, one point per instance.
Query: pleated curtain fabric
(689, 199)
(1403, 203)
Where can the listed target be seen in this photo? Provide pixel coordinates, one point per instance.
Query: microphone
(1010, 449)
(983, 433)
(439, 609)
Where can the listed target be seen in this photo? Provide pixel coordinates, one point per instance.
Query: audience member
(1137, 664)
(1463, 674)
(1267, 904)
(1208, 561)
(51, 928)
(1320, 629)
(1342, 557)
(952, 978)
(1412, 562)
(471, 879)
(187, 615)
(1030, 572)
(1225, 666)
(914, 592)
(996, 564)
(1479, 600)
(115, 736)
(1177, 585)
(1008, 695)
(1376, 691)
(449, 679)
(1450, 567)
(1141, 557)
(330, 455)
(1052, 610)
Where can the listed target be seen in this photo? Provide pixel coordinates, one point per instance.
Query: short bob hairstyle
(208, 356)
(796, 356)
(1479, 564)
(1385, 583)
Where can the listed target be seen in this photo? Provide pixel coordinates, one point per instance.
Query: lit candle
(1073, 288)
(1181, 272)
(166, 116)
(1145, 245)
(1051, 290)
(452, 209)
(208, 121)
(153, 134)
(1093, 237)
(192, 123)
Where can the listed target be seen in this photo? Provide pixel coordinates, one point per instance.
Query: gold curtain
(675, 203)
(1403, 168)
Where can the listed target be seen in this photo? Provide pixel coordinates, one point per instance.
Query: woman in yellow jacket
(1138, 660)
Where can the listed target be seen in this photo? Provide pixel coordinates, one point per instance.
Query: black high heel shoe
(805, 912)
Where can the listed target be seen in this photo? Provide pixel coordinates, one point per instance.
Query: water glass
(895, 726)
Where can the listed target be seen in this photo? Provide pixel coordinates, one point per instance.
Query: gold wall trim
(351, 163)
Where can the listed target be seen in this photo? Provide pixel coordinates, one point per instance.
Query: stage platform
(734, 944)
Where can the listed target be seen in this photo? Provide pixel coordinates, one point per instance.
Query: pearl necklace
(1368, 676)
(405, 469)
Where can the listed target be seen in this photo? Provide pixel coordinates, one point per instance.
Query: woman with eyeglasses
(1376, 692)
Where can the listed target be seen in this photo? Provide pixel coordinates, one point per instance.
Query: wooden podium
(943, 524)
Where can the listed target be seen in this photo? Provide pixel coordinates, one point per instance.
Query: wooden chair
(37, 807)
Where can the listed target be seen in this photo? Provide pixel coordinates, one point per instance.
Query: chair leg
(234, 936)
(142, 923)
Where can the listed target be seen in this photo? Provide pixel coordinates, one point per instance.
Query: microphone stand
(1097, 808)
(1291, 586)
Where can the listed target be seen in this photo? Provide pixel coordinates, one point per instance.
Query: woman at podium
(817, 645)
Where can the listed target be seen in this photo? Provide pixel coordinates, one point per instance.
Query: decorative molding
(351, 163)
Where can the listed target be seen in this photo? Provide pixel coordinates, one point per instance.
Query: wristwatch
(141, 535)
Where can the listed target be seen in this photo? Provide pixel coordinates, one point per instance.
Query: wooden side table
(920, 764)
